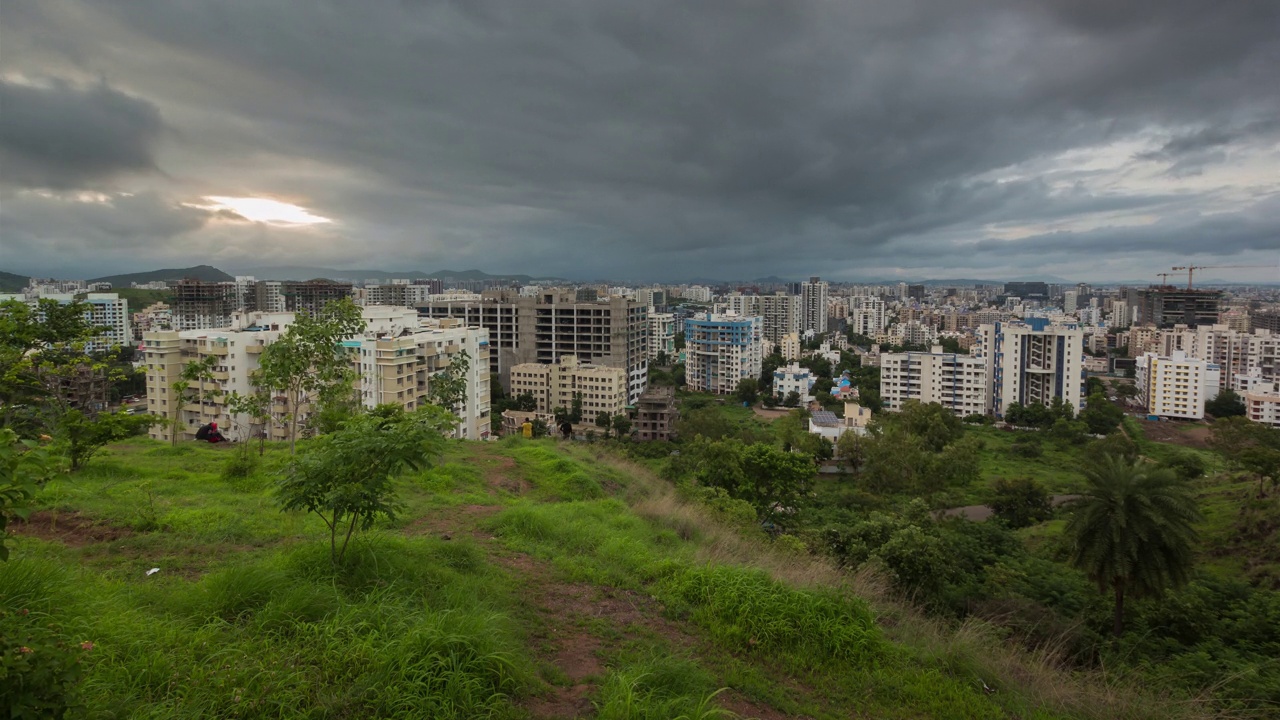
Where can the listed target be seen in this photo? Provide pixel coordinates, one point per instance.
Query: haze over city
(1091, 141)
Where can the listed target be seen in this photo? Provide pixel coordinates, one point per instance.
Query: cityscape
(799, 360)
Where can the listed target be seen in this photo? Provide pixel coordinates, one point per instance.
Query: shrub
(40, 669)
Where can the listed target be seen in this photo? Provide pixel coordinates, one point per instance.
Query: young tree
(748, 390)
(792, 399)
(526, 402)
(257, 406)
(346, 477)
(1132, 530)
(448, 387)
(604, 421)
(849, 451)
(308, 358)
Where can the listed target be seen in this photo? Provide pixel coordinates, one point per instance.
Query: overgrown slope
(525, 579)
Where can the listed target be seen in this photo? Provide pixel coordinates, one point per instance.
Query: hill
(521, 579)
(11, 283)
(199, 272)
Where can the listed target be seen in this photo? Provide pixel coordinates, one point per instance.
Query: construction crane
(1191, 269)
(1164, 278)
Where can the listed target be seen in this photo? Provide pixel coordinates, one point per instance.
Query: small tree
(449, 386)
(346, 477)
(748, 390)
(84, 435)
(621, 425)
(308, 358)
(257, 406)
(575, 412)
(792, 399)
(604, 421)
(1020, 502)
(526, 402)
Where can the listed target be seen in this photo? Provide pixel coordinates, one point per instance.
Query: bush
(40, 669)
(1020, 502)
(1188, 465)
(1027, 446)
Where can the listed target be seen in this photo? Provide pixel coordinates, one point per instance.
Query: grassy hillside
(11, 283)
(522, 579)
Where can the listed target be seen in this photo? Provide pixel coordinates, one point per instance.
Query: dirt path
(979, 513)
(574, 626)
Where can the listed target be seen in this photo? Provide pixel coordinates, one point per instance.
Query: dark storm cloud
(58, 135)
(591, 138)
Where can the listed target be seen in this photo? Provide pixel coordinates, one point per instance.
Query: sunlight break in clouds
(265, 210)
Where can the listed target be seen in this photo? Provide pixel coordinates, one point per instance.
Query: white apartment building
(1032, 362)
(696, 293)
(793, 379)
(1262, 402)
(813, 302)
(1238, 354)
(395, 358)
(1176, 385)
(866, 315)
(721, 350)
(957, 382)
(603, 388)
(109, 311)
(105, 310)
(662, 335)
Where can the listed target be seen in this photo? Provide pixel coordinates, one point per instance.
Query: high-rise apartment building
(603, 389)
(662, 335)
(813, 303)
(722, 350)
(395, 358)
(1239, 355)
(866, 315)
(957, 382)
(541, 328)
(781, 314)
(1032, 362)
(200, 304)
(1176, 385)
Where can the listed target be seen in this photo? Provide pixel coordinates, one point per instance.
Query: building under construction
(1167, 305)
(200, 304)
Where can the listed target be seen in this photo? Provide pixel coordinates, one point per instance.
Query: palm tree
(1132, 529)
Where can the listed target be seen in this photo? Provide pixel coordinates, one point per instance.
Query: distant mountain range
(310, 273)
(199, 272)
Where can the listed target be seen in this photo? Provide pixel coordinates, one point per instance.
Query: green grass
(248, 617)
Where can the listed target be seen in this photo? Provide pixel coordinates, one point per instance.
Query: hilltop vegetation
(520, 579)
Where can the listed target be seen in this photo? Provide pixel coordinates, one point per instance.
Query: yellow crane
(1191, 269)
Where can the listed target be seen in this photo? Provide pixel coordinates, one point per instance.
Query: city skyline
(859, 142)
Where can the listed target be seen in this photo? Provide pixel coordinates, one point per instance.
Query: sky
(1092, 140)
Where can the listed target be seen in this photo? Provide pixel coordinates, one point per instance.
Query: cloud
(616, 139)
(58, 135)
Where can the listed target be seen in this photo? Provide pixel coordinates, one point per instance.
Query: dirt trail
(574, 626)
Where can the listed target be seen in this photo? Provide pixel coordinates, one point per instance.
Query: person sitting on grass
(209, 433)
